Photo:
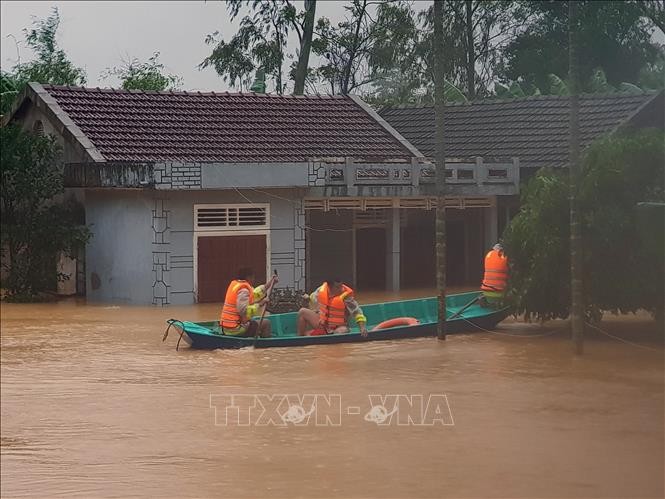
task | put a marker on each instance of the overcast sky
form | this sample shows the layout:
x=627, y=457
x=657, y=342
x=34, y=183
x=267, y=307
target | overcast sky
x=99, y=34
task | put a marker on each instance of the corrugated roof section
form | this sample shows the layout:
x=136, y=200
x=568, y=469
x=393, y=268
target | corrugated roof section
x=535, y=129
x=224, y=127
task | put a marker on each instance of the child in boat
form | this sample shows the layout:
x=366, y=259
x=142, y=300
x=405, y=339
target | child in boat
x=331, y=305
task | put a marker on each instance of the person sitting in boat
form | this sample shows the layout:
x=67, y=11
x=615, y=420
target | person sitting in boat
x=243, y=301
x=496, y=275
x=332, y=304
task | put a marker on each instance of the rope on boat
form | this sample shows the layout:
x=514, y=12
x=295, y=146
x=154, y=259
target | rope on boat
x=622, y=340
x=171, y=322
x=556, y=331
x=508, y=334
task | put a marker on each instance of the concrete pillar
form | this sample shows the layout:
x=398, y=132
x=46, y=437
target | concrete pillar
x=491, y=225
x=393, y=233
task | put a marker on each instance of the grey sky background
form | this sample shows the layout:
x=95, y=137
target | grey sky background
x=99, y=34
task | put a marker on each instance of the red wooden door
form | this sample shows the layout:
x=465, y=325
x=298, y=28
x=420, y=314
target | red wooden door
x=220, y=257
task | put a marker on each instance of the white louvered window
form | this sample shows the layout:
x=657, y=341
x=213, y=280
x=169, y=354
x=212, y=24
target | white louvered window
x=231, y=217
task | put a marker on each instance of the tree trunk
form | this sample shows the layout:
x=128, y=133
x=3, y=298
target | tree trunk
x=346, y=76
x=303, y=58
x=577, y=305
x=470, y=53
x=439, y=102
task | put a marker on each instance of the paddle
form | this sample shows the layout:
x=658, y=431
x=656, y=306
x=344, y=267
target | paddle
x=265, y=308
x=459, y=312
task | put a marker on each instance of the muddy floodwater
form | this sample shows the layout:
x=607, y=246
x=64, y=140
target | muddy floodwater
x=95, y=405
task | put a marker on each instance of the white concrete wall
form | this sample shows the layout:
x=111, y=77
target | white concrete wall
x=119, y=257
x=142, y=250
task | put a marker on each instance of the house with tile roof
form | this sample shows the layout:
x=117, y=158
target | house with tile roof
x=181, y=188
x=534, y=129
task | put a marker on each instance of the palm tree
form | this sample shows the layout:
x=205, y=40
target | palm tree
x=576, y=284
x=439, y=100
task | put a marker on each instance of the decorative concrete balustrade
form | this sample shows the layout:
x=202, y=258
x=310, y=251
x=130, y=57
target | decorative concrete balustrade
x=457, y=172
x=332, y=177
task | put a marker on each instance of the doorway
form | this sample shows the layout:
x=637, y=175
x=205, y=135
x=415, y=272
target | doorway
x=220, y=257
x=371, y=252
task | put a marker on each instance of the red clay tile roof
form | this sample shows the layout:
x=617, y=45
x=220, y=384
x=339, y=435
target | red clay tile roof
x=223, y=127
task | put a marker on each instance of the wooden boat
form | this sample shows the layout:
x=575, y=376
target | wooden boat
x=472, y=318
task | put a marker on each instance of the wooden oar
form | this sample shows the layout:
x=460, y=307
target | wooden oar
x=459, y=312
x=265, y=308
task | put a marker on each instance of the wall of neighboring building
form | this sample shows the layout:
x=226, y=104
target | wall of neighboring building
x=118, y=256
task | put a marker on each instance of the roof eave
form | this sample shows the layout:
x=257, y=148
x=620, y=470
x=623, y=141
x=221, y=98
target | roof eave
x=44, y=101
x=628, y=121
x=386, y=126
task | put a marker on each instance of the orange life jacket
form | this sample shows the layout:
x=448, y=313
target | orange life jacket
x=230, y=318
x=496, y=272
x=332, y=310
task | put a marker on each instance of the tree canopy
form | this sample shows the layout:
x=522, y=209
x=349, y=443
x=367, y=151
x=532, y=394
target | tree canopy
x=36, y=223
x=50, y=63
x=621, y=273
x=147, y=75
x=614, y=36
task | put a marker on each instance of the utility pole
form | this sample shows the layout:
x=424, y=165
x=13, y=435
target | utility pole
x=439, y=109
x=576, y=284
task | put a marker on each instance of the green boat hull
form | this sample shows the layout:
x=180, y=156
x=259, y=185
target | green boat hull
x=207, y=335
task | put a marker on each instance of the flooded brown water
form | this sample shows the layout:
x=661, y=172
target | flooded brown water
x=95, y=405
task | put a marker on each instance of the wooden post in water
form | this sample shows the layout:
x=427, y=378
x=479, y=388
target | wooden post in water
x=576, y=284
x=439, y=109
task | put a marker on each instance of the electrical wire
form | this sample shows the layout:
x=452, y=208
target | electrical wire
x=294, y=203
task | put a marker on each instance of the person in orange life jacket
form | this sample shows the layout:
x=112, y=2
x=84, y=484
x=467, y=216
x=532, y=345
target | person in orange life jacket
x=243, y=301
x=331, y=306
x=495, y=279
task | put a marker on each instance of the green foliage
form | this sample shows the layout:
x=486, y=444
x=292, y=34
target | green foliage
x=50, y=65
x=35, y=225
x=348, y=47
x=614, y=36
x=259, y=43
x=148, y=75
x=652, y=75
x=515, y=90
x=9, y=89
x=621, y=273
x=558, y=86
x=259, y=85
x=391, y=90
x=406, y=68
